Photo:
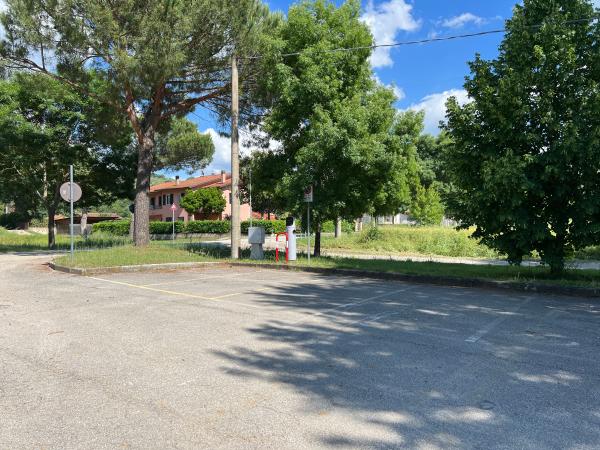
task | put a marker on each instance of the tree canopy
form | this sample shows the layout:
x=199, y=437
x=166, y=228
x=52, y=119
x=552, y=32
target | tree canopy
x=44, y=127
x=333, y=122
x=526, y=158
x=207, y=201
x=159, y=59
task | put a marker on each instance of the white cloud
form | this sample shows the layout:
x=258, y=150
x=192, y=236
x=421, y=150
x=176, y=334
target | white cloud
x=386, y=20
x=463, y=19
x=434, y=106
x=222, y=156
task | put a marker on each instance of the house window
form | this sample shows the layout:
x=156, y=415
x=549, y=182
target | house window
x=152, y=203
x=159, y=201
x=167, y=219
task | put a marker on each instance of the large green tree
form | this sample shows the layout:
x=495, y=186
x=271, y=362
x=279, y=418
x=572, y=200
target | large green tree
x=160, y=58
x=526, y=157
x=207, y=201
x=331, y=120
x=44, y=127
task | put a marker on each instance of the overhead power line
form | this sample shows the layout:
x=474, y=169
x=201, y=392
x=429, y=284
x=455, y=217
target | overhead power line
x=426, y=41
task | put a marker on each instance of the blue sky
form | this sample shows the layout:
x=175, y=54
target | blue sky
x=424, y=76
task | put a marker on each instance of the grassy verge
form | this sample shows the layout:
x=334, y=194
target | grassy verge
x=407, y=240
x=30, y=241
x=160, y=253
x=129, y=255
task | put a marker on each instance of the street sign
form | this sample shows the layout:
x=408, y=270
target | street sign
x=65, y=191
x=308, y=194
x=173, y=207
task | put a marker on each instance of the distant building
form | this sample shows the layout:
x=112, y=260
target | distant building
x=163, y=195
x=61, y=223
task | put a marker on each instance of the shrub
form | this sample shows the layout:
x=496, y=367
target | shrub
x=371, y=234
x=166, y=227
x=114, y=227
x=12, y=220
x=270, y=226
x=329, y=227
x=208, y=226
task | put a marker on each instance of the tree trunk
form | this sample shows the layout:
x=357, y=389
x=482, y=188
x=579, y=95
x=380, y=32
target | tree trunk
x=51, y=224
x=317, y=250
x=142, y=188
x=338, y=228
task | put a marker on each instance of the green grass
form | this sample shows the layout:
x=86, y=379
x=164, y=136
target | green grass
x=14, y=242
x=181, y=252
x=407, y=240
x=155, y=253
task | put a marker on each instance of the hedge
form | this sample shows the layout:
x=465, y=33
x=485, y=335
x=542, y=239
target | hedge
x=12, y=220
x=121, y=227
x=166, y=227
x=116, y=227
x=208, y=226
x=270, y=226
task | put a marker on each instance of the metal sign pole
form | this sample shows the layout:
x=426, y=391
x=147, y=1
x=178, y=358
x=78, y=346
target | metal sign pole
x=71, y=201
x=173, y=219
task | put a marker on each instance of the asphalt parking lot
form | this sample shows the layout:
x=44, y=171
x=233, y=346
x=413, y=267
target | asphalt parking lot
x=223, y=358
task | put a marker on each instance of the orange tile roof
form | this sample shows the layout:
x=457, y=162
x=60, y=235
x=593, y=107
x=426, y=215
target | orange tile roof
x=194, y=183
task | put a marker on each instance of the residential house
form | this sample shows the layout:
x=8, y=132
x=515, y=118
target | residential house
x=163, y=195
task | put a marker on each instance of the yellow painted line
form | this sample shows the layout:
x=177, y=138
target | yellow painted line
x=182, y=294
x=148, y=288
x=239, y=293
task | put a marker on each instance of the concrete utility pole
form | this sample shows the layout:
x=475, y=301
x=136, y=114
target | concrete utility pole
x=235, y=163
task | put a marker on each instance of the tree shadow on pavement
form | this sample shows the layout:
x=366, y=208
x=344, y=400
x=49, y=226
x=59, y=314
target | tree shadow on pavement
x=399, y=371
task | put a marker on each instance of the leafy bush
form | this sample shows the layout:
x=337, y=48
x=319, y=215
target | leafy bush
x=12, y=220
x=270, y=226
x=114, y=227
x=329, y=226
x=208, y=226
x=371, y=234
x=166, y=227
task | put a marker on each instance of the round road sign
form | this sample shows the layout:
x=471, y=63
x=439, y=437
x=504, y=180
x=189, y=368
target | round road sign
x=64, y=192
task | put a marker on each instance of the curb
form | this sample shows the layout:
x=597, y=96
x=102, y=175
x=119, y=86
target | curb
x=133, y=269
x=420, y=279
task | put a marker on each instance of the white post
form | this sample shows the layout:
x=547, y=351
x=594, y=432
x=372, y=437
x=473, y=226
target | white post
x=173, y=219
x=71, y=202
x=308, y=231
x=250, y=193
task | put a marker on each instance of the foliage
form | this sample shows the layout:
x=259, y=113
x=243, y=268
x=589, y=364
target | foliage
x=208, y=226
x=183, y=147
x=12, y=220
x=121, y=227
x=158, y=178
x=527, y=148
x=332, y=121
x=208, y=201
x=166, y=227
x=44, y=127
x=329, y=226
x=159, y=60
x=427, y=208
x=410, y=240
x=270, y=226
x=370, y=234
x=115, y=227
x=29, y=241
